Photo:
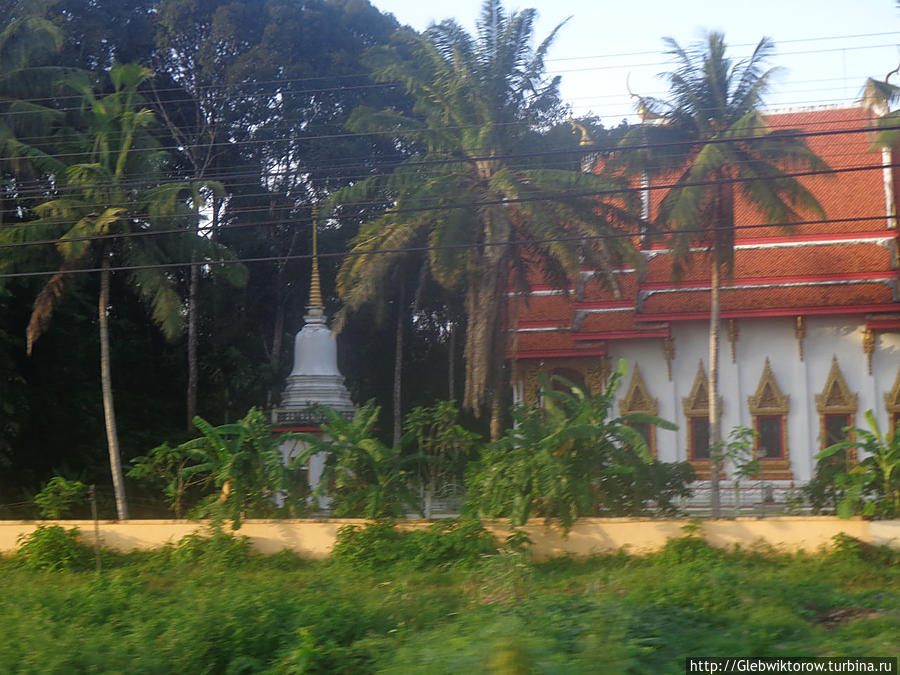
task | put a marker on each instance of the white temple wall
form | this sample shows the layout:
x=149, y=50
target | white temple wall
x=759, y=339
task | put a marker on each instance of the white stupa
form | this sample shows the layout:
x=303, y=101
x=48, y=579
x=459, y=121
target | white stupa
x=315, y=378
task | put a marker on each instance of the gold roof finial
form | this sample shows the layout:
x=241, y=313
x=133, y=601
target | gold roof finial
x=642, y=106
x=585, y=136
x=315, y=288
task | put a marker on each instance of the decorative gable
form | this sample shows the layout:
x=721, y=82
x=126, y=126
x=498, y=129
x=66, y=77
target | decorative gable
x=638, y=399
x=768, y=399
x=697, y=402
x=836, y=396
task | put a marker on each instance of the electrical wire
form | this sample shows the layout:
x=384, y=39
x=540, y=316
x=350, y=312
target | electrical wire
x=428, y=249
x=583, y=150
x=554, y=196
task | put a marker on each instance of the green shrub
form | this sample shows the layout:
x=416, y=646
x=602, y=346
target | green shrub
x=686, y=550
x=846, y=546
x=444, y=543
x=54, y=548
x=59, y=497
x=449, y=543
x=215, y=548
x=373, y=545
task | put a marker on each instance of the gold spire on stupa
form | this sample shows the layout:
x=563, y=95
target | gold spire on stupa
x=315, y=288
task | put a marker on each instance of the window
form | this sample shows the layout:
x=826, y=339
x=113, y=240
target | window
x=836, y=406
x=576, y=377
x=645, y=429
x=769, y=442
x=835, y=426
x=588, y=373
x=637, y=400
x=696, y=412
x=700, y=438
x=769, y=409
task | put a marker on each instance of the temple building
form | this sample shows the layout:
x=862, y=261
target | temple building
x=810, y=319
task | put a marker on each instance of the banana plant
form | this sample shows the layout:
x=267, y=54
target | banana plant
x=872, y=486
x=362, y=476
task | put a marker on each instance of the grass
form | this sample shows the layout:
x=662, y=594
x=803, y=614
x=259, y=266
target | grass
x=211, y=606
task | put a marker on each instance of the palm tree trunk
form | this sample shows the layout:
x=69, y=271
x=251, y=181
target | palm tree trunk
x=485, y=312
x=451, y=348
x=715, y=432
x=193, y=371
x=112, y=436
x=497, y=399
x=398, y=364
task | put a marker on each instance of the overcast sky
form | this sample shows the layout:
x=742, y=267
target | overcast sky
x=826, y=47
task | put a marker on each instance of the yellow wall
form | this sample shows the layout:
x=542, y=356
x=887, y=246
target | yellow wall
x=315, y=538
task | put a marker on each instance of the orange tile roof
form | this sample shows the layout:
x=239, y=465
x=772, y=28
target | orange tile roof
x=840, y=267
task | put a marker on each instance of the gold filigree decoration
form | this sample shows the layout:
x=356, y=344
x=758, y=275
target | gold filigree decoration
x=868, y=341
x=668, y=346
x=595, y=372
x=800, y=334
x=836, y=397
x=768, y=399
x=637, y=399
x=733, y=338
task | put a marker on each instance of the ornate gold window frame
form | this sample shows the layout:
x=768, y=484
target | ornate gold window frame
x=595, y=371
x=836, y=399
x=638, y=400
x=696, y=404
x=769, y=401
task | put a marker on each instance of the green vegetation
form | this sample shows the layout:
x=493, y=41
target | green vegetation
x=563, y=459
x=569, y=457
x=59, y=497
x=237, y=469
x=871, y=487
x=209, y=605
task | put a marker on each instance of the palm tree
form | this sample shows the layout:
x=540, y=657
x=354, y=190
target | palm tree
x=117, y=191
x=710, y=137
x=26, y=44
x=485, y=213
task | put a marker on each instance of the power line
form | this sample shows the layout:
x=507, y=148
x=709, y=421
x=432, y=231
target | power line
x=426, y=249
x=556, y=196
x=586, y=149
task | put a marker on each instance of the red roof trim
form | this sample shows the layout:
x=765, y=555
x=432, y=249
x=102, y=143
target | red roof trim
x=760, y=281
x=884, y=325
x=624, y=334
x=820, y=237
x=776, y=312
x=548, y=323
x=557, y=354
x=625, y=304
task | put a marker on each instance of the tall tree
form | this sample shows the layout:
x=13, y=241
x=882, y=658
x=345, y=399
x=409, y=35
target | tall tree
x=257, y=95
x=115, y=192
x=485, y=208
x=713, y=142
